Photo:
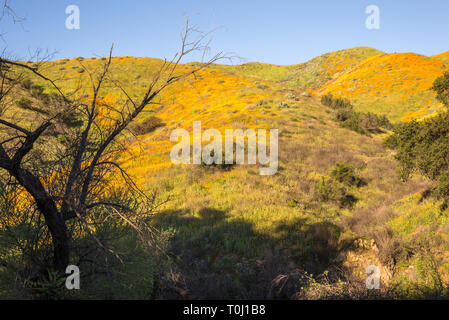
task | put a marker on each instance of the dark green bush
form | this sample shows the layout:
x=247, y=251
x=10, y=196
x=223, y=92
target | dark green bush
x=442, y=188
x=441, y=87
x=330, y=190
x=222, y=166
x=363, y=123
x=346, y=174
x=336, y=189
x=423, y=146
x=72, y=121
x=37, y=91
x=335, y=103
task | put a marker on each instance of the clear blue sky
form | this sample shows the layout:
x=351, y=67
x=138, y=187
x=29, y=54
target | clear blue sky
x=280, y=32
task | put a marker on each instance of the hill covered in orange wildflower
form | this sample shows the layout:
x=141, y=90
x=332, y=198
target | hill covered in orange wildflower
x=395, y=84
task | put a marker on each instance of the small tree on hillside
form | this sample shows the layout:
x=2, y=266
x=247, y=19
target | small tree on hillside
x=63, y=158
x=423, y=146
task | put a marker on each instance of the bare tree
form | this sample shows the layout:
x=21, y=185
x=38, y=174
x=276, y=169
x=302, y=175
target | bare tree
x=70, y=181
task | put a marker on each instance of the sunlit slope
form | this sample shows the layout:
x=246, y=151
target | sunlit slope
x=444, y=56
x=311, y=74
x=394, y=84
x=218, y=99
x=267, y=71
x=328, y=67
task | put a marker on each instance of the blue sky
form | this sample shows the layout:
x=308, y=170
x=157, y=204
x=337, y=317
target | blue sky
x=280, y=32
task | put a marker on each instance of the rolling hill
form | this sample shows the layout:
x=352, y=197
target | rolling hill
x=393, y=84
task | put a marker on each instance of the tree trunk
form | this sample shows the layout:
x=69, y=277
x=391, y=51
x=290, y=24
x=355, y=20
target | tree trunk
x=55, y=221
x=61, y=250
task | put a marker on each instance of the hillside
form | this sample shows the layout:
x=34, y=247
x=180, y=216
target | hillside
x=235, y=231
x=393, y=84
x=311, y=74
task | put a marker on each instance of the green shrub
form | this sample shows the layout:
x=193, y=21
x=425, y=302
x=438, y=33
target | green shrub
x=441, y=87
x=52, y=288
x=423, y=146
x=330, y=190
x=37, y=91
x=442, y=189
x=336, y=189
x=346, y=174
x=363, y=123
x=282, y=105
x=335, y=103
x=223, y=165
x=443, y=185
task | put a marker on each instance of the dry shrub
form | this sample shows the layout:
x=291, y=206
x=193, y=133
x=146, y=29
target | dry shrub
x=325, y=237
x=293, y=152
x=340, y=284
x=323, y=159
x=391, y=250
x=305, y=185
x=365, y=218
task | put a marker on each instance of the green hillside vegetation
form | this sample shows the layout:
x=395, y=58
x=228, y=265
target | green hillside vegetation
x=311, y=74
x=361, y=122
